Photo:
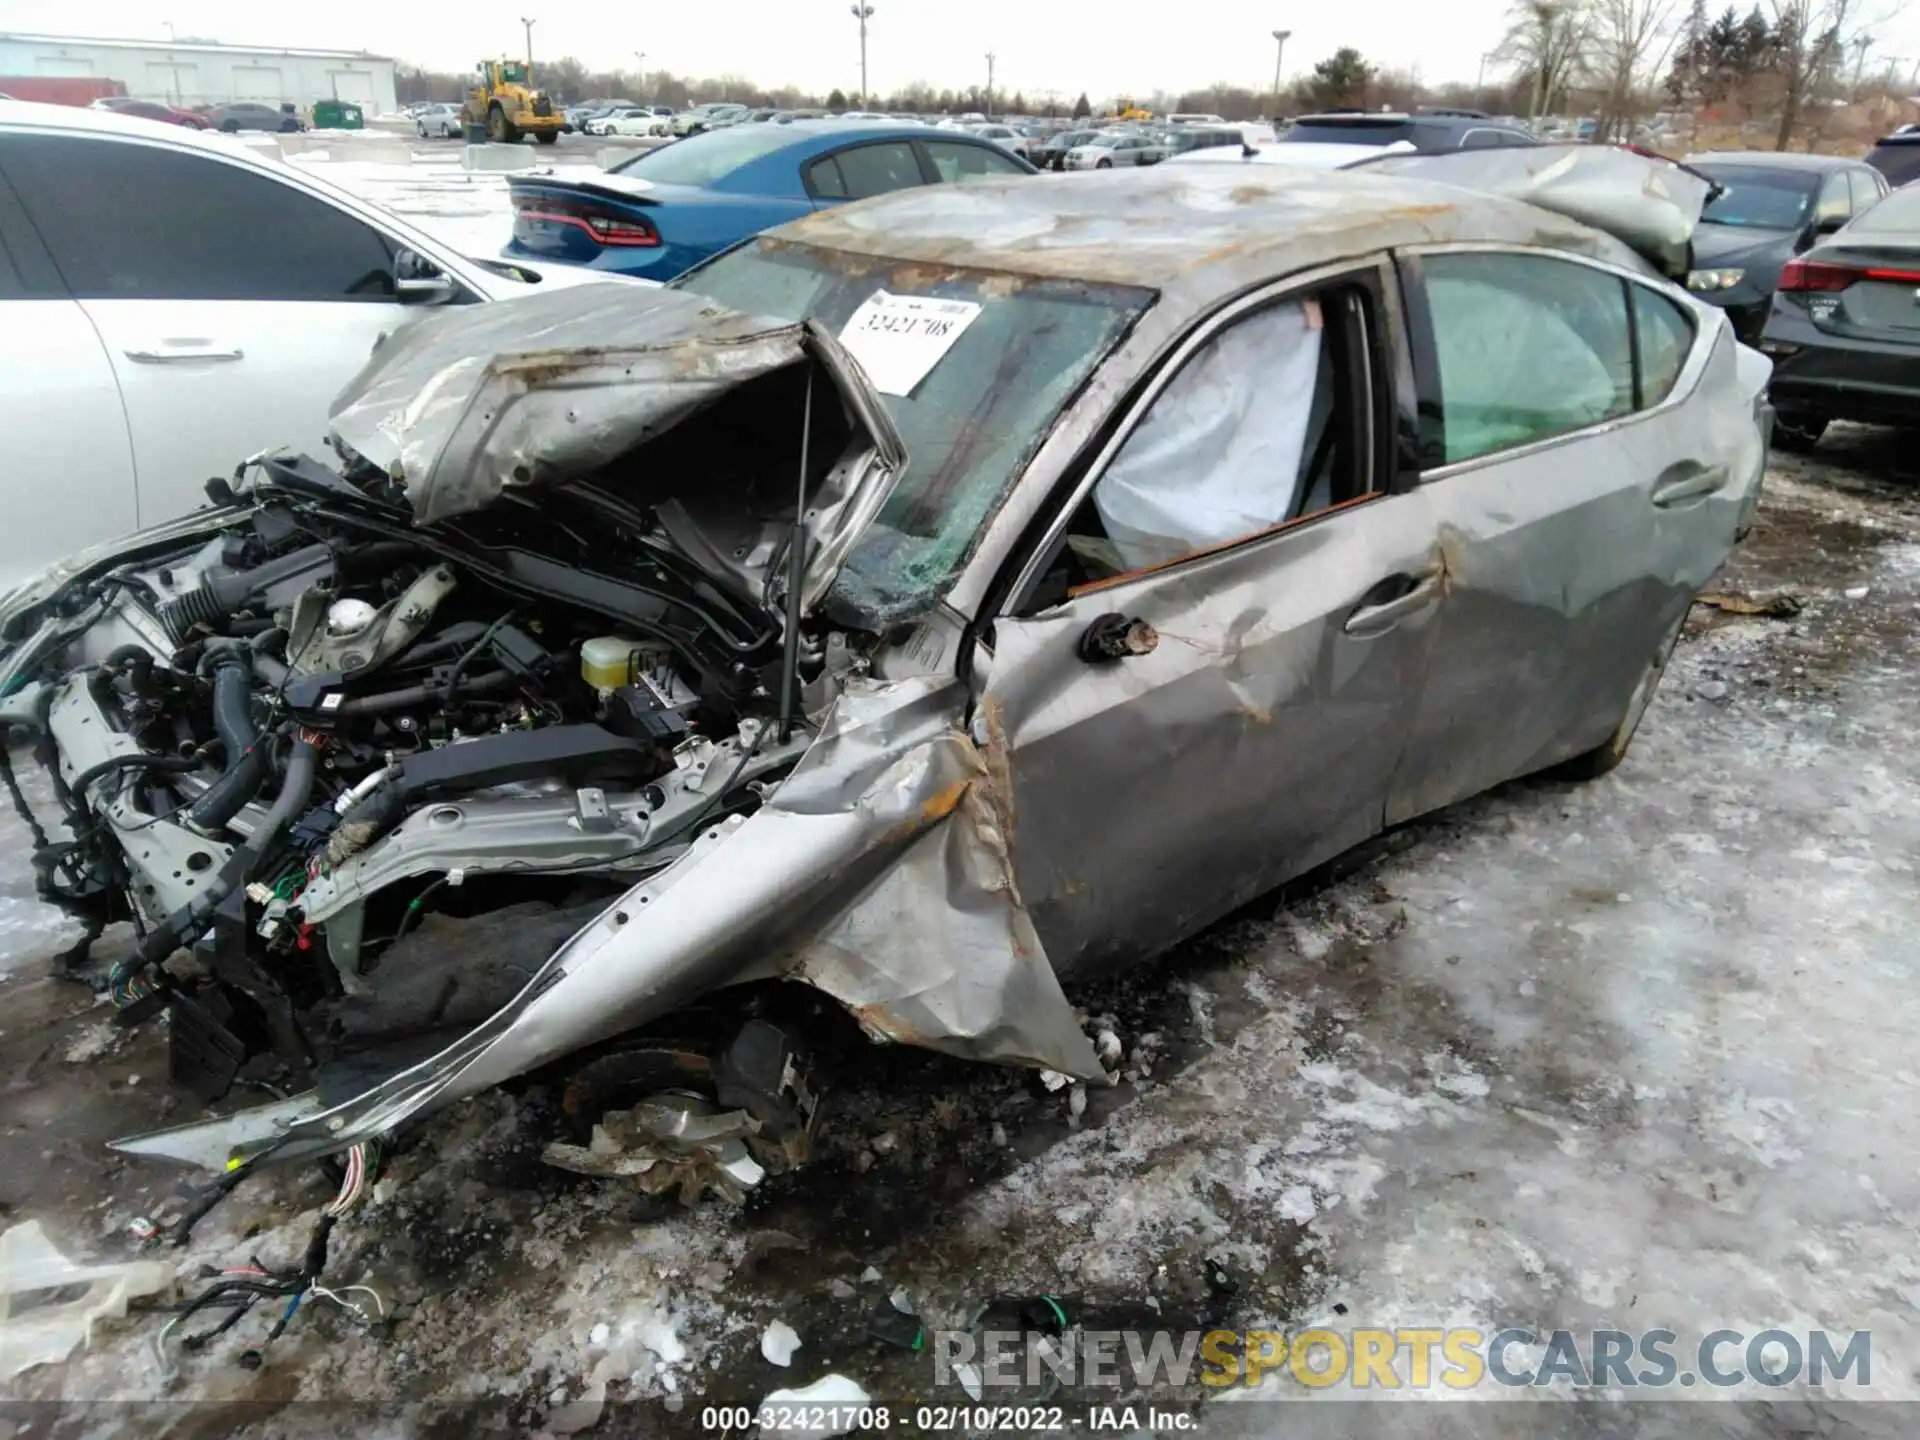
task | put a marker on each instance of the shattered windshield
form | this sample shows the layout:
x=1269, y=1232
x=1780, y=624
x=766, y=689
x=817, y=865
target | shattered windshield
x=969, y=425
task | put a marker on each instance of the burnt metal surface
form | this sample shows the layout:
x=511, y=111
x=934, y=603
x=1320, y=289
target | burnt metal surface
x=1190, y=232
x=470, y=404
x=1649, y=204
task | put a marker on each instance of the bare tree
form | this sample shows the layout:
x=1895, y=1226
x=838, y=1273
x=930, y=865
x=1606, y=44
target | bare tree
x=1630, y=40
x=1549, y=41
x=1810, y=37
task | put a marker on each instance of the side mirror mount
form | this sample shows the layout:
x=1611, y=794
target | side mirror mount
x=418, y=281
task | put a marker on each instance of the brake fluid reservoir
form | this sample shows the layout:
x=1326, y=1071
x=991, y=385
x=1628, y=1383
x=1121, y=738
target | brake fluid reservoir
x=607, y=661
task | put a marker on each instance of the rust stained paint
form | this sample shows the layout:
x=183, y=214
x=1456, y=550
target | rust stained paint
x=942, y=803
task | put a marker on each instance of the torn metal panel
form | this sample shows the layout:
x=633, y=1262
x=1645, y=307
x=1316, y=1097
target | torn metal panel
x=1254, y=739
x=1647, y=203
x=939, y=951
x=473, y=403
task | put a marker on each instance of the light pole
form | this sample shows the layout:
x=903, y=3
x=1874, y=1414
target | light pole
x=863, y=13
x=640, y=59
x=990, y=84
x=529, y=24
x=1279, y=49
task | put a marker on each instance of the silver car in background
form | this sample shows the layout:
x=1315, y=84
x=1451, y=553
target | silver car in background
x=439, y=121
x=1128, y=576
x=1112, y=148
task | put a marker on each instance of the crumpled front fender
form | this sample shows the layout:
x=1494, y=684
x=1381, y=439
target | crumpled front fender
x=878, y=872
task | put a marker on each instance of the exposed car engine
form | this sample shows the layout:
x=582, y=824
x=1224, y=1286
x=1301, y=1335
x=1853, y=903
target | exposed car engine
x=297, y=748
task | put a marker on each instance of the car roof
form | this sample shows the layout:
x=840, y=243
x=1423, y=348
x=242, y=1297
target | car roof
x=1198, y=232
x=1773, y=160
x=835, y=130
x=1433, y=119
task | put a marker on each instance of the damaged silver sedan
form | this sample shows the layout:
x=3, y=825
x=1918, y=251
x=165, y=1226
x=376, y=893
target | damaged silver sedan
x=908, y=613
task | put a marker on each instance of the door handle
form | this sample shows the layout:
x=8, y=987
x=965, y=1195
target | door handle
x=1376, y=617
x=1115, y=637
x=173, y=352
x=1689, y=480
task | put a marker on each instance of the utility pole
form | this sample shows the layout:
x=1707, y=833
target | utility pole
x=529, y=24
x=640, y=59
x=990, y=84
x=863, y=13
x=1279, y=49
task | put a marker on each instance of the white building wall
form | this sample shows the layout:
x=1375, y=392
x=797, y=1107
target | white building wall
x=208, y=75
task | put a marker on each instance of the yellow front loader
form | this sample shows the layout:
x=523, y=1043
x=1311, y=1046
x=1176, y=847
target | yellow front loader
x=505, y=101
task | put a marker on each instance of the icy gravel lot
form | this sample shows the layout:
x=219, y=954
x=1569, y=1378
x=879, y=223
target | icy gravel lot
x=1634, y=1054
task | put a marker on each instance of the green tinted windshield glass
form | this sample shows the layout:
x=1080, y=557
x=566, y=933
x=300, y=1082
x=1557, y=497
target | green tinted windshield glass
x=970, y=425
x=513, y=74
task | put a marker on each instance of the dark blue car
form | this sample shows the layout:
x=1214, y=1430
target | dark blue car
x=667, y=210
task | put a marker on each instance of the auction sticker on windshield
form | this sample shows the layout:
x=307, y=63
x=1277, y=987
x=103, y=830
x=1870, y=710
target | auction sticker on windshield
x=899, y=338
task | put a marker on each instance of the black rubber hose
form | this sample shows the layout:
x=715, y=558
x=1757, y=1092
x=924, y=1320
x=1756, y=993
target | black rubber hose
x=422, y=694
x=78, y=789
x=295, y=792
x=186, y=922
x=136, y=659
x=246, y=756
x=233, y=706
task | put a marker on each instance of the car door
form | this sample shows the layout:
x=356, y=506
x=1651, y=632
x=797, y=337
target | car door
x=232, y=304
x=1198, y=686
x=1569, y=524
x=1867, y=187
x=70, y=482
x=859, y=172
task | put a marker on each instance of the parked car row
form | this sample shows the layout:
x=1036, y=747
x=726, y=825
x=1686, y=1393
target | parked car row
x=230, y=118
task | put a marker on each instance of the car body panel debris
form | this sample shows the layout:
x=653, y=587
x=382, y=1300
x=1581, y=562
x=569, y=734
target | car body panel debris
x=41, y=1321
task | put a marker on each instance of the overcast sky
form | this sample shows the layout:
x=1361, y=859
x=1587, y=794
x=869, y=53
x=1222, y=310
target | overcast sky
x=1040, y=46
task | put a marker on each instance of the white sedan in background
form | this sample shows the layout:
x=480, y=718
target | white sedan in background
x=1111, y=148
x=628, y=120
x=1005, y=136
x=152, y=346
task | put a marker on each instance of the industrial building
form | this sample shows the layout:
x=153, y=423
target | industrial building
x=201, y=72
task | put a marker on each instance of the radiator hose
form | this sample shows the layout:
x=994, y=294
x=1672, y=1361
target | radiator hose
x=190, y=919
x=246, y=756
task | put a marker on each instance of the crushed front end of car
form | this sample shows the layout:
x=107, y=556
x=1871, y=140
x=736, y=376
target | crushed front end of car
x=518, y=743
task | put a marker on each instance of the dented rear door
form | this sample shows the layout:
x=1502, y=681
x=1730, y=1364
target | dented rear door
x=1563, y=513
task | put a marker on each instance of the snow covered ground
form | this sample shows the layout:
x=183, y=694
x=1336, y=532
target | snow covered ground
x=1636, y=1054
x=467, y=209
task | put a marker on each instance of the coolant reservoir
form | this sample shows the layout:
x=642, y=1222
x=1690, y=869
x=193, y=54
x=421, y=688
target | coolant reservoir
x=607, y=661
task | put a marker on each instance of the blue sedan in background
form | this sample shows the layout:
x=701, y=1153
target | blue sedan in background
x=667, y=210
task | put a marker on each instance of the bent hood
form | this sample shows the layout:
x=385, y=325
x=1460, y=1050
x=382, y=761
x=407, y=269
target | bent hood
x=1648, y=203
x=470, y=403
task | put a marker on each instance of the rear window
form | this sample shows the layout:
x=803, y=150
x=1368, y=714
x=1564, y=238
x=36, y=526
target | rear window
x=1898, y=160
x=706, y=159
x=1899, y=211
x=1357, y=131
